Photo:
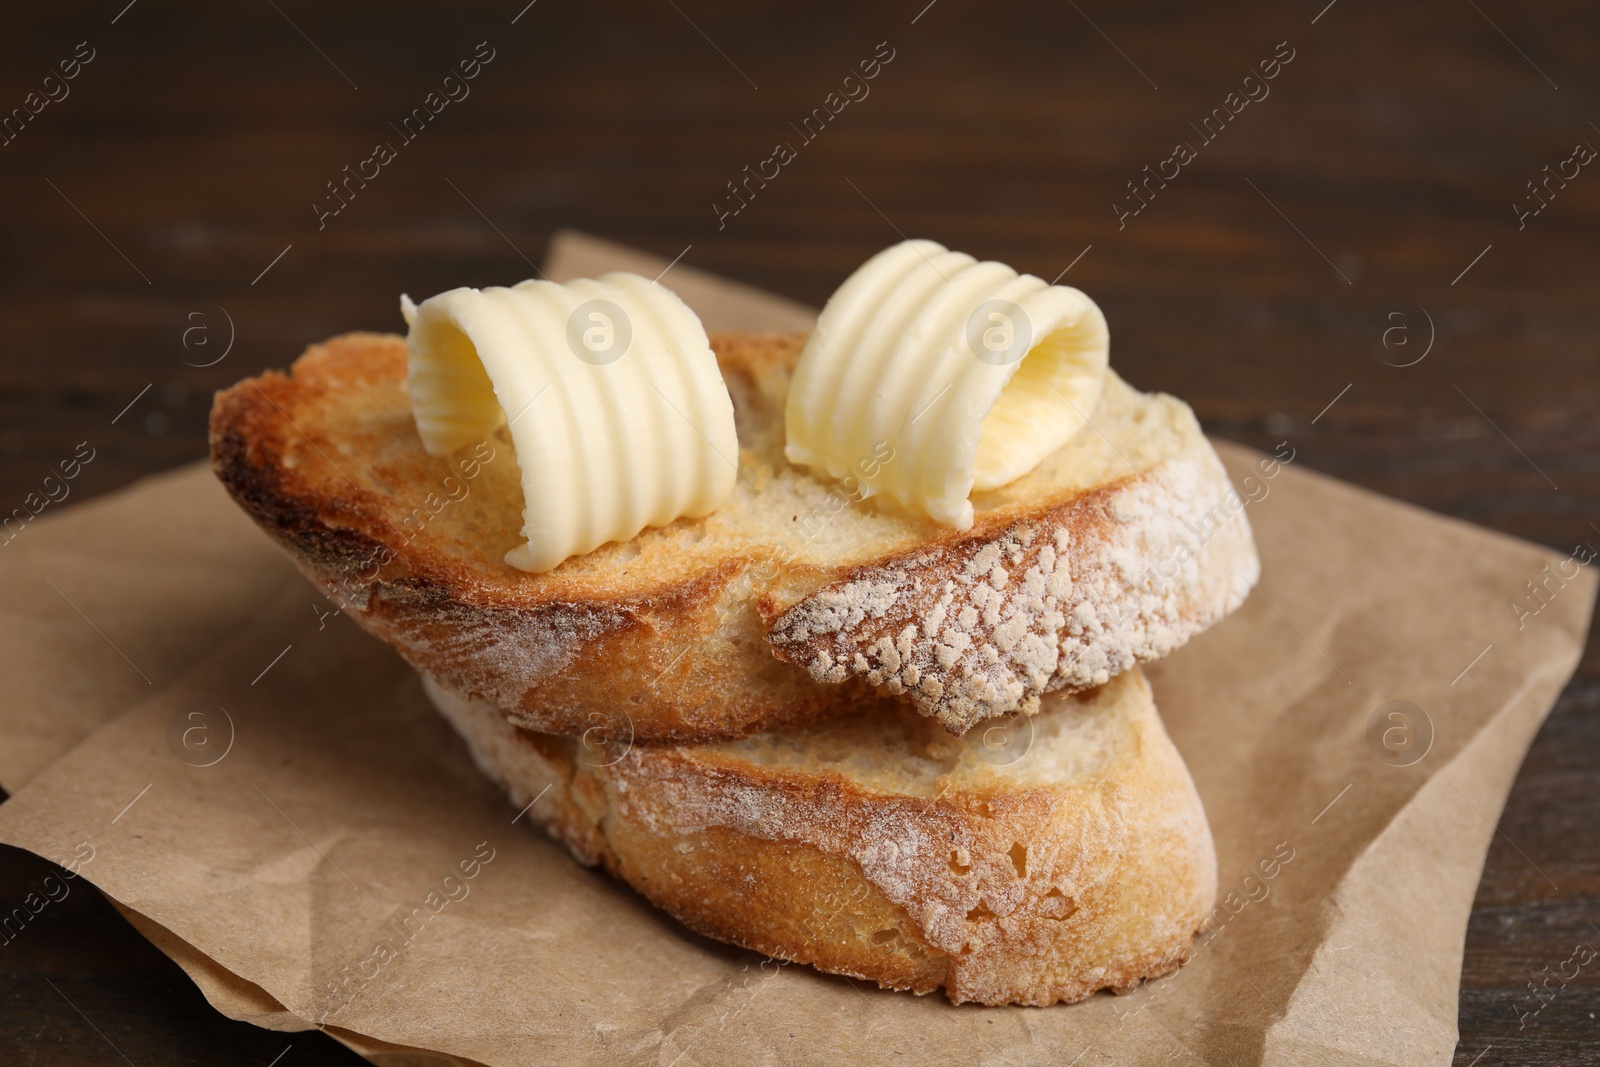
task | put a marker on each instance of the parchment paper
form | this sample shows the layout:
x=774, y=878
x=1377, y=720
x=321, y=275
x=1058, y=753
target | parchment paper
x=280, y=875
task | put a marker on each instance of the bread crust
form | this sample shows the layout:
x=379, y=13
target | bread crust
x=1037, y=891
x=1063, y=599
x=732, y=624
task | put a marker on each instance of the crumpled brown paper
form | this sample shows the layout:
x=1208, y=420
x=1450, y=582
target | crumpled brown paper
x=341, y=863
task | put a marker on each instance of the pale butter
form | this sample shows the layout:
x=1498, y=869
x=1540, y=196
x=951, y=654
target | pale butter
x=970, y=372
x=618, y=413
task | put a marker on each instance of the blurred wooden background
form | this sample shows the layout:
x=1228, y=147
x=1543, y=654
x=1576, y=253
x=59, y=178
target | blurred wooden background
x=1361, y=209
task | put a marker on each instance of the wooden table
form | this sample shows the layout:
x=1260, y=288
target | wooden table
x=1360, y=213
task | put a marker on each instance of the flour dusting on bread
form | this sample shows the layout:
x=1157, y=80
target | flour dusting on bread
x=1057, y=602
x=881, y=847
x=752, y=617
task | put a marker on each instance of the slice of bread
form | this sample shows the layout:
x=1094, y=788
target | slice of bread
x=698, y=630
x=1068, y=856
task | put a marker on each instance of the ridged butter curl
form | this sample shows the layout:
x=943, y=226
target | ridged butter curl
x=970, y=372
x=618, y=414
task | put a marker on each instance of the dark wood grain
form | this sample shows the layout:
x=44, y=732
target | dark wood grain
x=1397, y=141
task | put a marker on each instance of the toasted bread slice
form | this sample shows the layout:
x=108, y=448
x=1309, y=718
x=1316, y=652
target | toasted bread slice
x=1071, y=856
x=682, y=633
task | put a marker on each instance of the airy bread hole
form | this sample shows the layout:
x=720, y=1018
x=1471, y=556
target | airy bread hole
x=960, y=861
x=1019, y=859
x=1057, y=905
x=883, y=937
x=980, y=914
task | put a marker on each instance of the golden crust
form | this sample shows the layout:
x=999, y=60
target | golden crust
x=1010, y=884
x=1062, y=599
x=751, y=618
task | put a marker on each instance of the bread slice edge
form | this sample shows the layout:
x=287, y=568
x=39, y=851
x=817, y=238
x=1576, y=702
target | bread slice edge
x=1035, y=895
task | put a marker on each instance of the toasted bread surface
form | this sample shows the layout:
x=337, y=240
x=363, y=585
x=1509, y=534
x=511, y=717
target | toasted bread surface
x=755, y=616
x=1069, y=857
